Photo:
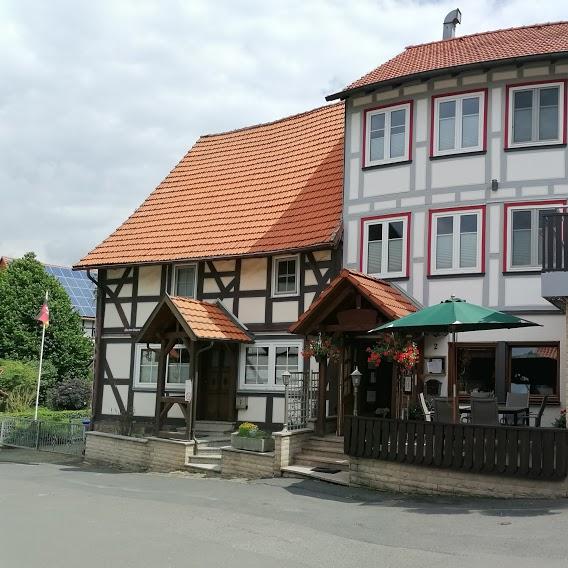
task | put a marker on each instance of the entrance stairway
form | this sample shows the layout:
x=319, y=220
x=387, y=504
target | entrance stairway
x=321, y=458
x=210, y=437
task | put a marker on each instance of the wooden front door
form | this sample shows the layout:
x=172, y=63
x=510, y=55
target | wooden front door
x=217, y=382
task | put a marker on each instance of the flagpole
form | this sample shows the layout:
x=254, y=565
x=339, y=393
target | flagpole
x=40, y=363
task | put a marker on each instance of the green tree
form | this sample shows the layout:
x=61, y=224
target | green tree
x=22, y=291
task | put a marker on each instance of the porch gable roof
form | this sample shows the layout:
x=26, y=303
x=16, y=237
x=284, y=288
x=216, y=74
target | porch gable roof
x=199, y=320
x=384, y=296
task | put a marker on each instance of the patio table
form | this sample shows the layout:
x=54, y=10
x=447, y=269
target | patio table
x=502, y=409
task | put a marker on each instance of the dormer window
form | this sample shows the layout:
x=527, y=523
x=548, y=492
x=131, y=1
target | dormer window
x=535, y=115
x=387, y=134
x=458, y=123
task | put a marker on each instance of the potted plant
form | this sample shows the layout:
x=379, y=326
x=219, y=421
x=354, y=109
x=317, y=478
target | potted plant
x=400, y=351
x=250, y=437
x=560, y=422
x=321, y=349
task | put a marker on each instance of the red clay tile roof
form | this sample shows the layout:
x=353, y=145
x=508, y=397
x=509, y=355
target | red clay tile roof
x=383, y=295
x=209, y=321
x=473, y=49
x=268, y=188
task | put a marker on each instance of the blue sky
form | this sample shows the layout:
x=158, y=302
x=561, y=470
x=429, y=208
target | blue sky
x=99, y=100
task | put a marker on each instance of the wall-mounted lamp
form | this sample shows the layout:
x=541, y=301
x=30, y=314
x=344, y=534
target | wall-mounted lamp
x=494, y=185
x=356, y=380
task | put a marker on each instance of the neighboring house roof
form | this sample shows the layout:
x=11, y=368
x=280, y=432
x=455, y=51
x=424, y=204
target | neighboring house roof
x=466, y=51
x=201, y=321
x=383, y=295
x=79, y=288
x=263, y=189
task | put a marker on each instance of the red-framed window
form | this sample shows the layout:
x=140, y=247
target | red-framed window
x=535, y=114
x=456, y=240
x=522, y=234
x=387, y=134
x=458, y=123
x=385, y=245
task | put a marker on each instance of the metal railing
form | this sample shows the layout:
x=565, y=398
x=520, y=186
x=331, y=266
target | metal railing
x=301, y=399
x=49, y=436
x=540, y=453
x=554, y=243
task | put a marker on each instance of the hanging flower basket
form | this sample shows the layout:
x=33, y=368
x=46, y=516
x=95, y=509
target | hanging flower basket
x=403, y=352
x=321, y=349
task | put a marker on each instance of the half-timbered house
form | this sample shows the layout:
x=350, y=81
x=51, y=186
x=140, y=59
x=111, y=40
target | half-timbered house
x=206, y=276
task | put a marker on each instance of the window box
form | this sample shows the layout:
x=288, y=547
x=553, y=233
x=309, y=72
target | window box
x=385, y=245
x=459, y=123
x=534, y=114
x=261, y=365
x=252, y=444
x=456, y=241
x=523, y=235
x=387, y=134
x=185, y=280
x=286, y=276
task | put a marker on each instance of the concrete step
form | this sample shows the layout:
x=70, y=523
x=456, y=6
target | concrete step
x=298, y=471
x=323, y=447
x=202, y=450
x=213, y=440
x=335, y=440
x=213, y=426
x=204, y=459
x=173, y=435
x=311, y=460
x=308, y=450
x=210, y=470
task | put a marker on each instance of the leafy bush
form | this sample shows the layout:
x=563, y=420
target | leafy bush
x=70, y=394
x=14, y=374
x=560, y=422
x=51, y=415
x=20, y=398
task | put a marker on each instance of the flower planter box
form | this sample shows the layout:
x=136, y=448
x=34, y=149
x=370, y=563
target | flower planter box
x=252, y=444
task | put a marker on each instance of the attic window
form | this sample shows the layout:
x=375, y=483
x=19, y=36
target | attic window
x=285, y=276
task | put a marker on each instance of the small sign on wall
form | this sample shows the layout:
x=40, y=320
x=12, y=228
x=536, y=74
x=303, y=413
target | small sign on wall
x=188, y=395
x=436, y=365
x=408, y=384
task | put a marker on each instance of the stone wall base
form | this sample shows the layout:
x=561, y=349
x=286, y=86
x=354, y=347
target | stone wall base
x=406, y=478
x=137, y=454
x=243, y=463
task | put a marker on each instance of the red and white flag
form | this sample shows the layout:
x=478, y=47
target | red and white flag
x=43, y=316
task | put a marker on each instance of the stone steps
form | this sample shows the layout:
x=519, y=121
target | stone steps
x=311, y=460
x=210, y=470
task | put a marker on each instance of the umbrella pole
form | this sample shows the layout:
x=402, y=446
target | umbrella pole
x=454, y=384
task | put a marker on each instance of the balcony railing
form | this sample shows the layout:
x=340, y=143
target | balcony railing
x=555, y=242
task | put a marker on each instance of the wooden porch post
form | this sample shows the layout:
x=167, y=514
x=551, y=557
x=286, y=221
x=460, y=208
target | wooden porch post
x=322, y=383
x=161, y=384
x=190, y=345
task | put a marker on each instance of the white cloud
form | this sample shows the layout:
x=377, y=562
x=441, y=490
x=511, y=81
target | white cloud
x=99, y=100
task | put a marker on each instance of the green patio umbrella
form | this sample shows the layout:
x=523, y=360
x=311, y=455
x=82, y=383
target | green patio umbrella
x=452, y=316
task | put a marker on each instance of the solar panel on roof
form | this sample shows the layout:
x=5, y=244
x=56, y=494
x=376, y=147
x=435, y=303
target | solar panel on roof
x=79, y=288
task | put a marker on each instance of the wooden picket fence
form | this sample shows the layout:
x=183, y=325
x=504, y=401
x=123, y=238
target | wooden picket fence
x=508, y=450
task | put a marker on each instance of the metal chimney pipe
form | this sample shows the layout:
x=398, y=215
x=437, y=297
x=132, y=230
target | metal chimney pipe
x=452, y=20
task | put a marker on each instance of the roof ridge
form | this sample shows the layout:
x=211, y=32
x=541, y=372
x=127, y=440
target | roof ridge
x=271, y=122
x=487, y=32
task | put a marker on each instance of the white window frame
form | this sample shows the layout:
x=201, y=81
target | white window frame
x=174, y=277
x=387, y=111
x=459, y=97
x=511, y=113
x=456, y=215
x=384, y=221
x=275, y=261
x=535, y=208
x=152, y=386
x=272, y=345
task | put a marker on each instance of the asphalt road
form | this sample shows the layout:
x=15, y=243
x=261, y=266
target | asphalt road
x=67, y=514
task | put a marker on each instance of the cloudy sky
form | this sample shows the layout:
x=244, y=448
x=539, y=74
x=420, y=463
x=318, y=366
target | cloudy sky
x=99, y=100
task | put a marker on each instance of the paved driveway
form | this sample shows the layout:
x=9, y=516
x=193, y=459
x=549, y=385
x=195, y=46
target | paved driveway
x=59, y=513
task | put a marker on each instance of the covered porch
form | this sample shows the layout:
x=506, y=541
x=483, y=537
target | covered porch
x=353, y=304
x=209, y=335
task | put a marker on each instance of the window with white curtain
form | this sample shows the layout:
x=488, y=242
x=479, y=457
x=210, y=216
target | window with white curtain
x=385, y=246
x=458, y=123
x=387, y=132
x=146, y=367
x=185, y=280
x=262, y=364
x=456, y=240
x=525, y=229
x=536, y=114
